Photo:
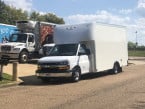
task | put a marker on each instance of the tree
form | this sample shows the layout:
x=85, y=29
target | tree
x=46, y=18
x=9, y=15
x=131, y=45
x=54, y=19
x=34, y=16
x=2, y=11
x=19, y=15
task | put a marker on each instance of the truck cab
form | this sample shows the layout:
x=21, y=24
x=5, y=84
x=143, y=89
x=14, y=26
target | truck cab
x=28, y=39
x=20, y=45
x=65, y=60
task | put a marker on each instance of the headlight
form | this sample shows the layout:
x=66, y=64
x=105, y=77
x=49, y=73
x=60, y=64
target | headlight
x=67, y=67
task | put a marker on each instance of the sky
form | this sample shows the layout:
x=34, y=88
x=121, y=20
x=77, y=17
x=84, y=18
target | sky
x=129, y=13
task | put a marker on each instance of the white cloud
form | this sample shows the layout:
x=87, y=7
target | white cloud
x=141, y=23
x=141, y=4
x=141, y=26
x=100, y=16
x=125, y=11
x=23, y=4
x=141, y=7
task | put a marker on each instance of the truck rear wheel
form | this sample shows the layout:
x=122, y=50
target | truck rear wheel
x=76, y=75
x=116, y=69
x=23, y=57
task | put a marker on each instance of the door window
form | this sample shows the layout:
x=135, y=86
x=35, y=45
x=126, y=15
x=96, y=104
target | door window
x=31, y=38
x=82, y=50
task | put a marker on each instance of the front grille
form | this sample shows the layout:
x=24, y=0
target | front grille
x=51, y=70
x=5, y=48
x=51, y=64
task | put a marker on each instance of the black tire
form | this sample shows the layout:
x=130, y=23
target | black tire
x=116, y=69
x=76, y=74
x=23, y=57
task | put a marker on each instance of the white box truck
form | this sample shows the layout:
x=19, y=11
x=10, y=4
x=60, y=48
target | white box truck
x=27, y=43
x=85, y=48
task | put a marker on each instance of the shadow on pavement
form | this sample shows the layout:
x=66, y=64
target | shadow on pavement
x=33, y=80
x=96, y=75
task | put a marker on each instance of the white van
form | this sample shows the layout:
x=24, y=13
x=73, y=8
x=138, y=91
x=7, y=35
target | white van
x=85, y=48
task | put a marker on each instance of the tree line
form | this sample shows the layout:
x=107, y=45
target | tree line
x=135, y=46
x=9, y=15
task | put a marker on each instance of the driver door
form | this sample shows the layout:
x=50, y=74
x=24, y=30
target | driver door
x=31, y=43
x=83, y=59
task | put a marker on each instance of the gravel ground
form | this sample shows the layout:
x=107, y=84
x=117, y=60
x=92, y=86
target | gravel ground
x=100, y=91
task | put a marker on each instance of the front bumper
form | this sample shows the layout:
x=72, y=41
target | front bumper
x=52, y=70
x=10, y=55
x=54, y=74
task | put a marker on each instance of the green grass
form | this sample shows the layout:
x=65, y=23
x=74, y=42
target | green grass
x=137, y=53
x=6, y=79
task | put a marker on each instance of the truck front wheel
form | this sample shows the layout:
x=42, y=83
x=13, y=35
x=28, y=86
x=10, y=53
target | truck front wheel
x=23, y=57
x=76, y=74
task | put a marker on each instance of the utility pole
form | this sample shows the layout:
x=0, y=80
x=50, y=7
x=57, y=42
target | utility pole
x=136, y=42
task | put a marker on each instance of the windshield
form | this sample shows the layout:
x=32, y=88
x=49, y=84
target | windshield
x=18, y=38
x=46, y=50
x=64, y=50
